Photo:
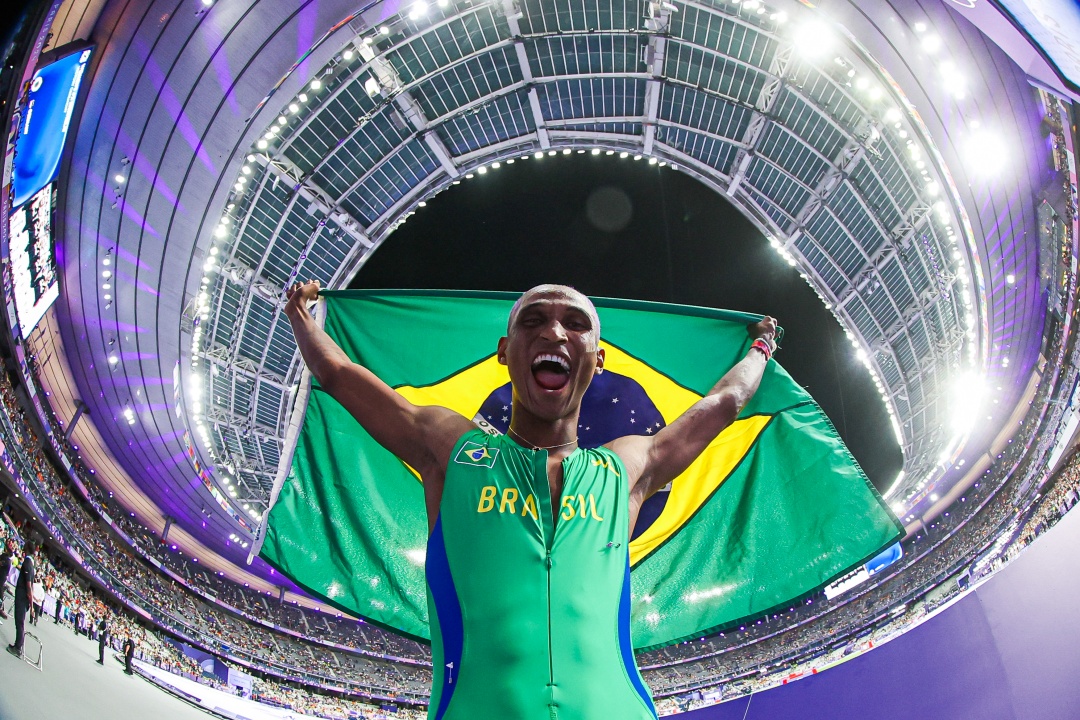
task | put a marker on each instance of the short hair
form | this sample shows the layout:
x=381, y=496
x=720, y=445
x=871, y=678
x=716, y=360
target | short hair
x=552, y=287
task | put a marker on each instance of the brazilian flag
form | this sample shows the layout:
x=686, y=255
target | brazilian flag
x=774, y=508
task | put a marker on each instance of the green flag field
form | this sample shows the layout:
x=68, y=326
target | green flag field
x=775, y=508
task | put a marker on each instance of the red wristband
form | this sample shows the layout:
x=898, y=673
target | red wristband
x=763, y=347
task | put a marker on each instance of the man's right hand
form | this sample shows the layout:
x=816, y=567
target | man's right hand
x=299, y=295
x=421, y=436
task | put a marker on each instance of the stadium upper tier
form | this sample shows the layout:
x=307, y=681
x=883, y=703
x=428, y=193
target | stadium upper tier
x=913, y=161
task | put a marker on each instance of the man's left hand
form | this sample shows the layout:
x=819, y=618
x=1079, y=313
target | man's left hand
x=764, y=329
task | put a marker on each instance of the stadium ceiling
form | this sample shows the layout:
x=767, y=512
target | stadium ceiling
x=891, y=152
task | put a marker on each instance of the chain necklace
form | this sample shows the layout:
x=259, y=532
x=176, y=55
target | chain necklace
x=534, y=446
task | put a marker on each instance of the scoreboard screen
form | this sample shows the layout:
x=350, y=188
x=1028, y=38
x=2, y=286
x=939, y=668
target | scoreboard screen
x=44, y=123
x=33, y=263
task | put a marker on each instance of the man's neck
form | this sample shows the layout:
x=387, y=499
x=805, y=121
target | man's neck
x=559, y=437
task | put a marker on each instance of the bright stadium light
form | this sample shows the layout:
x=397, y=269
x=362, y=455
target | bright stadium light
x=419, y=9
x=985, y=152
x=965, y=399
x=953, y=80
x=813, y=39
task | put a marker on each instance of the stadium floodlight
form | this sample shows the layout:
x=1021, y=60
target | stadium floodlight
x=953, y=80
x=966, y=396
x=419, y=10
x=813, y=39
x=985, y=152
x=931, y=43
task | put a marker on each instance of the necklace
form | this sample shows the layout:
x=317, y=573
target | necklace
x=534, y=446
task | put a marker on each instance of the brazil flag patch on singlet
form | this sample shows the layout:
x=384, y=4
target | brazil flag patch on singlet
x=475, y=454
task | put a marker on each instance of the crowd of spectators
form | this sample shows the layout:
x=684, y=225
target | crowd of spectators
x=320, y=626
x=174, y=607
x=76, y=605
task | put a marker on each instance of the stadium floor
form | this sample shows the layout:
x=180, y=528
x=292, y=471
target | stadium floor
x=72, y=684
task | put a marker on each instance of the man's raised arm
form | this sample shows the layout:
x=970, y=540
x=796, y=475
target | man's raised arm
x=653, y=462
x=422, y=436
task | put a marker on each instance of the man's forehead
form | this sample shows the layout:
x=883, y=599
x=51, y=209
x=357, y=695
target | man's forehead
x=542, y=295
x=569, y=296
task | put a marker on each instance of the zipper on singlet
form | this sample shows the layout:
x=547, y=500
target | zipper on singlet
x=548, y=519
x=551, y=654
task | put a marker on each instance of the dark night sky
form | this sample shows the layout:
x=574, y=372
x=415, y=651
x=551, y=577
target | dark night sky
x=619, y=228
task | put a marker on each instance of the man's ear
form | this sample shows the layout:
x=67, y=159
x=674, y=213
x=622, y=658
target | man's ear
x=599, y=360
x=500, y=353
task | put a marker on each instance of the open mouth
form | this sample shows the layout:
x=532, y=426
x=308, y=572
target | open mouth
x=552, y=372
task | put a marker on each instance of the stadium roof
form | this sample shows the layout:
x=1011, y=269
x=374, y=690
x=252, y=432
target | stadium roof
x=892, y=152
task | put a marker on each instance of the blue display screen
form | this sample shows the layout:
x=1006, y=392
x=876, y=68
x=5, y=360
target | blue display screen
x=1055, y=26
x=43, y=127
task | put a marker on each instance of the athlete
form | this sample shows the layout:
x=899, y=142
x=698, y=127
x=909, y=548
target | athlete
x=528, y=554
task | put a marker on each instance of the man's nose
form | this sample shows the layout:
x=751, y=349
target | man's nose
x=555, y=331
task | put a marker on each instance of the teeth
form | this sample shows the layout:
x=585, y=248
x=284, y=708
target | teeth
x=552, y=358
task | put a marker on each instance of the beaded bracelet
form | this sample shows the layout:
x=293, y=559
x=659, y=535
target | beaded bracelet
x=762, y=346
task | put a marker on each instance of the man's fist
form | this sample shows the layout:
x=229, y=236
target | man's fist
x=764, y=329
x=300, y=294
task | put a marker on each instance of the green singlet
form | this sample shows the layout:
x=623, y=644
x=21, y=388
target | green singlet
x=530, y=614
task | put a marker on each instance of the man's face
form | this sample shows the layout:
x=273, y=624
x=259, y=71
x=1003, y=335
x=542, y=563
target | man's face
x=551, y=351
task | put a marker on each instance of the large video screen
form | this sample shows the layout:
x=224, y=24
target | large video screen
x=33, y=264
x=43, y=125
x=39, y=147
x=1055, y=26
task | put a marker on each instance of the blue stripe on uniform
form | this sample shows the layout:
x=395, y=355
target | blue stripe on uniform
x=448, y=608
x=625, y=646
